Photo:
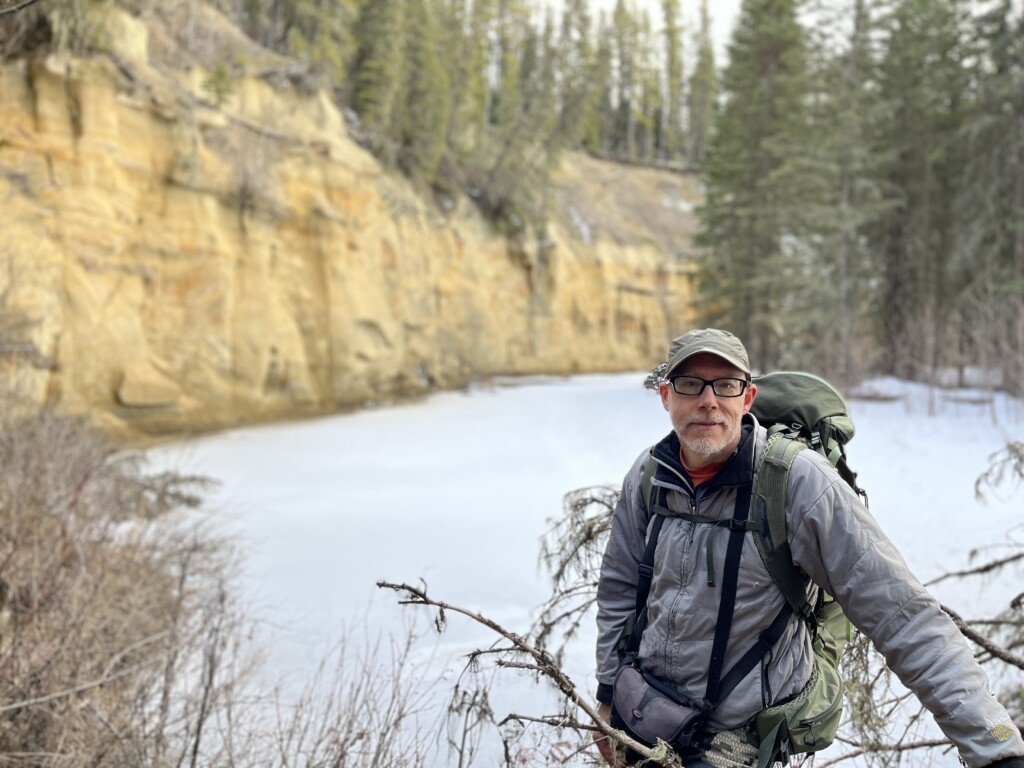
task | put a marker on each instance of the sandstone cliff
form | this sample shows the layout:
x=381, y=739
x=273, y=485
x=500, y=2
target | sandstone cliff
x=170, y=266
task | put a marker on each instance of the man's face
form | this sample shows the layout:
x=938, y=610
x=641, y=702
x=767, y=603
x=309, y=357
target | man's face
x=708, y=426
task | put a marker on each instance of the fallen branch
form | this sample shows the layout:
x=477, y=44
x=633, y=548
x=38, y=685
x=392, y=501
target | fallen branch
x=546, y=665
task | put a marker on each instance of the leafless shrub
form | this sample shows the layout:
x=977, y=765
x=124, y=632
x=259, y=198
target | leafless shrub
x=571, y=552
x=113, y=596
x=1005, y=465
x=121, y=643
x=372, y=707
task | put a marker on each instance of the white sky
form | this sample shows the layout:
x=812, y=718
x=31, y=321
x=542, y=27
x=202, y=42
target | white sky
x=457, y=491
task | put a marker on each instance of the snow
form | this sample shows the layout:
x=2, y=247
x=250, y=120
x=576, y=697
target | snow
x=457, y=491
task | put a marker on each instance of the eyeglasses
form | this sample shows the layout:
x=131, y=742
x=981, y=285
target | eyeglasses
x=693, y=386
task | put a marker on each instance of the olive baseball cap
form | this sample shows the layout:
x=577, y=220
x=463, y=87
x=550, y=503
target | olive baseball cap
x=712, y=341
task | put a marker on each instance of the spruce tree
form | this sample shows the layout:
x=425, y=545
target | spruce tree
x=702, y=94
x=508, y=129
x=598, y=118
x=377, y=74
x=425, y=115
x=835, y=289
x=924, y=83
x=672, y=122
x=988, y=259
x=756, y=186
x=470, y=60
x=624, y=33
x=577, y=68
x=649, y=108
x=319, y=32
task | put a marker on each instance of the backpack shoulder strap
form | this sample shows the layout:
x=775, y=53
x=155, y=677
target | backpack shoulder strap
x=647, y=489
x=648, y=497
x=769, y=502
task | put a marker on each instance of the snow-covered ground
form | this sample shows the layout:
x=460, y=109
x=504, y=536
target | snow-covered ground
x=457, y=491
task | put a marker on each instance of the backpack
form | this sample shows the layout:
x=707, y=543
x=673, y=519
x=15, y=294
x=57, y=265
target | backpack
x=800, y=411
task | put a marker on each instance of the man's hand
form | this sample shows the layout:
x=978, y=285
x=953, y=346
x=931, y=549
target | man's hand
x=604, y=711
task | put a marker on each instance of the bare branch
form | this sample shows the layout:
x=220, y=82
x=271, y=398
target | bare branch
x=72, y=691
x=19, y=7
x=546, y=665
x=554, y=722
x=986, y=568
x=1000, y=653
x=901, y=747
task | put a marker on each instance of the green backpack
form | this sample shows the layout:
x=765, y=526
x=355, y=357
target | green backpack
x=800, y=411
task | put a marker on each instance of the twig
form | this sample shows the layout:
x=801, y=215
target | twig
x=1000, y=653
x=556, y=722
x=986, y=568
x=519, y=665
x=105, y=678
x=16, y=8
x=546, y=664
x=72, y=691
x=904, y=747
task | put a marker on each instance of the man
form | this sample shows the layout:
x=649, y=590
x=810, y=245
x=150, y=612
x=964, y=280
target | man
x=704, y=465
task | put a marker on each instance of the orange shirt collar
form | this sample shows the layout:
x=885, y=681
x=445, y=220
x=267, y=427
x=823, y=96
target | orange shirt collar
x=702, y=475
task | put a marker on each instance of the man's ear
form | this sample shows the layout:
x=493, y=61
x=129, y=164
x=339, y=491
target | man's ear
x=748, y=397
x=663, y=391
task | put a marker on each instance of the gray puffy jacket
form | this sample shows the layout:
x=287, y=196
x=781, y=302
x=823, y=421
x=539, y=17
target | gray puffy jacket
x=837, y=542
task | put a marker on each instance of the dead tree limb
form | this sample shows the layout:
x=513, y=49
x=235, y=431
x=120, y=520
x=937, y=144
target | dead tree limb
x=967, y=631
x=546, y=665
x=5, y=11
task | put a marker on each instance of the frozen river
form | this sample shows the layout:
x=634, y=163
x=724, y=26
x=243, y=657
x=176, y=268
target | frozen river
x=458, y=490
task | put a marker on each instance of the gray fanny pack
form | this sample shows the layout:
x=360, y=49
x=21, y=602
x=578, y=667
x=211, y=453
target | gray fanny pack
x=649, y=714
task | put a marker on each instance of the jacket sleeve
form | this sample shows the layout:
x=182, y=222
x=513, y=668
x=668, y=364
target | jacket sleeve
x=616, y=588
x=842, y=548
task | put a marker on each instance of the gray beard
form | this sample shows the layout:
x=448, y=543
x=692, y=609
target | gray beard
x=704, y=447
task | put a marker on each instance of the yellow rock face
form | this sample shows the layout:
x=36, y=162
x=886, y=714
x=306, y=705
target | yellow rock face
x=169, y=266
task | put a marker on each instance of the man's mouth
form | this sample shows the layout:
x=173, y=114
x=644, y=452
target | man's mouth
x=703, y=423
x=702, y=420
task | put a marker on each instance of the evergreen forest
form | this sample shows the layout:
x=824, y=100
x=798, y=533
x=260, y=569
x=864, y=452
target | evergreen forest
x=863, y=160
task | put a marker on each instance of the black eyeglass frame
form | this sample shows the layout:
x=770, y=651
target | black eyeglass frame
x=705, y=383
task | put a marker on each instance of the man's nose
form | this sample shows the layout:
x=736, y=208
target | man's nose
x=707, y=397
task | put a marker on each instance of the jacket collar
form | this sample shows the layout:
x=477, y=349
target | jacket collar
x=738, y=468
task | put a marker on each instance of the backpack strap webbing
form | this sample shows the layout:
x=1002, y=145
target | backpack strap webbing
x=649, y=494
x=720, y=682
x=727, y=600
x=771, y=493
x=643, y=588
